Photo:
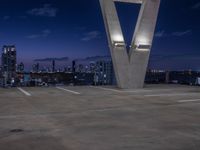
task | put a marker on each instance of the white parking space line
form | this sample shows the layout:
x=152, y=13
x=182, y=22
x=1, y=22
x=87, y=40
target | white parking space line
x=70, y=91
x=25, y=92
x=189, y=100
x=123, y=91
x=106, y=89
x=172, y=94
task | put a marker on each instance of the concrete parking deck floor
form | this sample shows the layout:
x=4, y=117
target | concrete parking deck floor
x=158, y=117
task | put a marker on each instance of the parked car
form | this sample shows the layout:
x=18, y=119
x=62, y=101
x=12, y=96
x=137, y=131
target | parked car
x=43, y=84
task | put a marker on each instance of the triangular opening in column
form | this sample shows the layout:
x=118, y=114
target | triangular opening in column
x=128, y=15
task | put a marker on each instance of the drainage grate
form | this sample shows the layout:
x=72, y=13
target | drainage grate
x=16, y=130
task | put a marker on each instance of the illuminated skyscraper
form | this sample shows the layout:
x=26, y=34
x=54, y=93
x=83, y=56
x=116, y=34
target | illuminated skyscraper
x=9, y=61
x=104, y=71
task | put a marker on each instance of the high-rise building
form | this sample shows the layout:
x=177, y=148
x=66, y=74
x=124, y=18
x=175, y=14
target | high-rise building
x=1, y=77
x=20, y=67
x=73, y=66
x=53, y=66
x=0, y=70
x=92, y=67
x=36, y=68
x=80, y=68
x=104, y=72
x=9, y=61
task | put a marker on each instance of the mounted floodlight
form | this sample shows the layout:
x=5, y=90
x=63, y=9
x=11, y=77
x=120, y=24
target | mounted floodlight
x=119, y=44
x=143, y=47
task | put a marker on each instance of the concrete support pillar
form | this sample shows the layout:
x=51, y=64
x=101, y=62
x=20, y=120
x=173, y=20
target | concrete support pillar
x=130, y=68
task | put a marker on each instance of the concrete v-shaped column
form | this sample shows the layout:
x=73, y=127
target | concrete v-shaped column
x=130, y=68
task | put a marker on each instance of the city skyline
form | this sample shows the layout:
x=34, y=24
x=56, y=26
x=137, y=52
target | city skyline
x=55, y=29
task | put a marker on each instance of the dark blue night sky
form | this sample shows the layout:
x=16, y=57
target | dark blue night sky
x=75, y=29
